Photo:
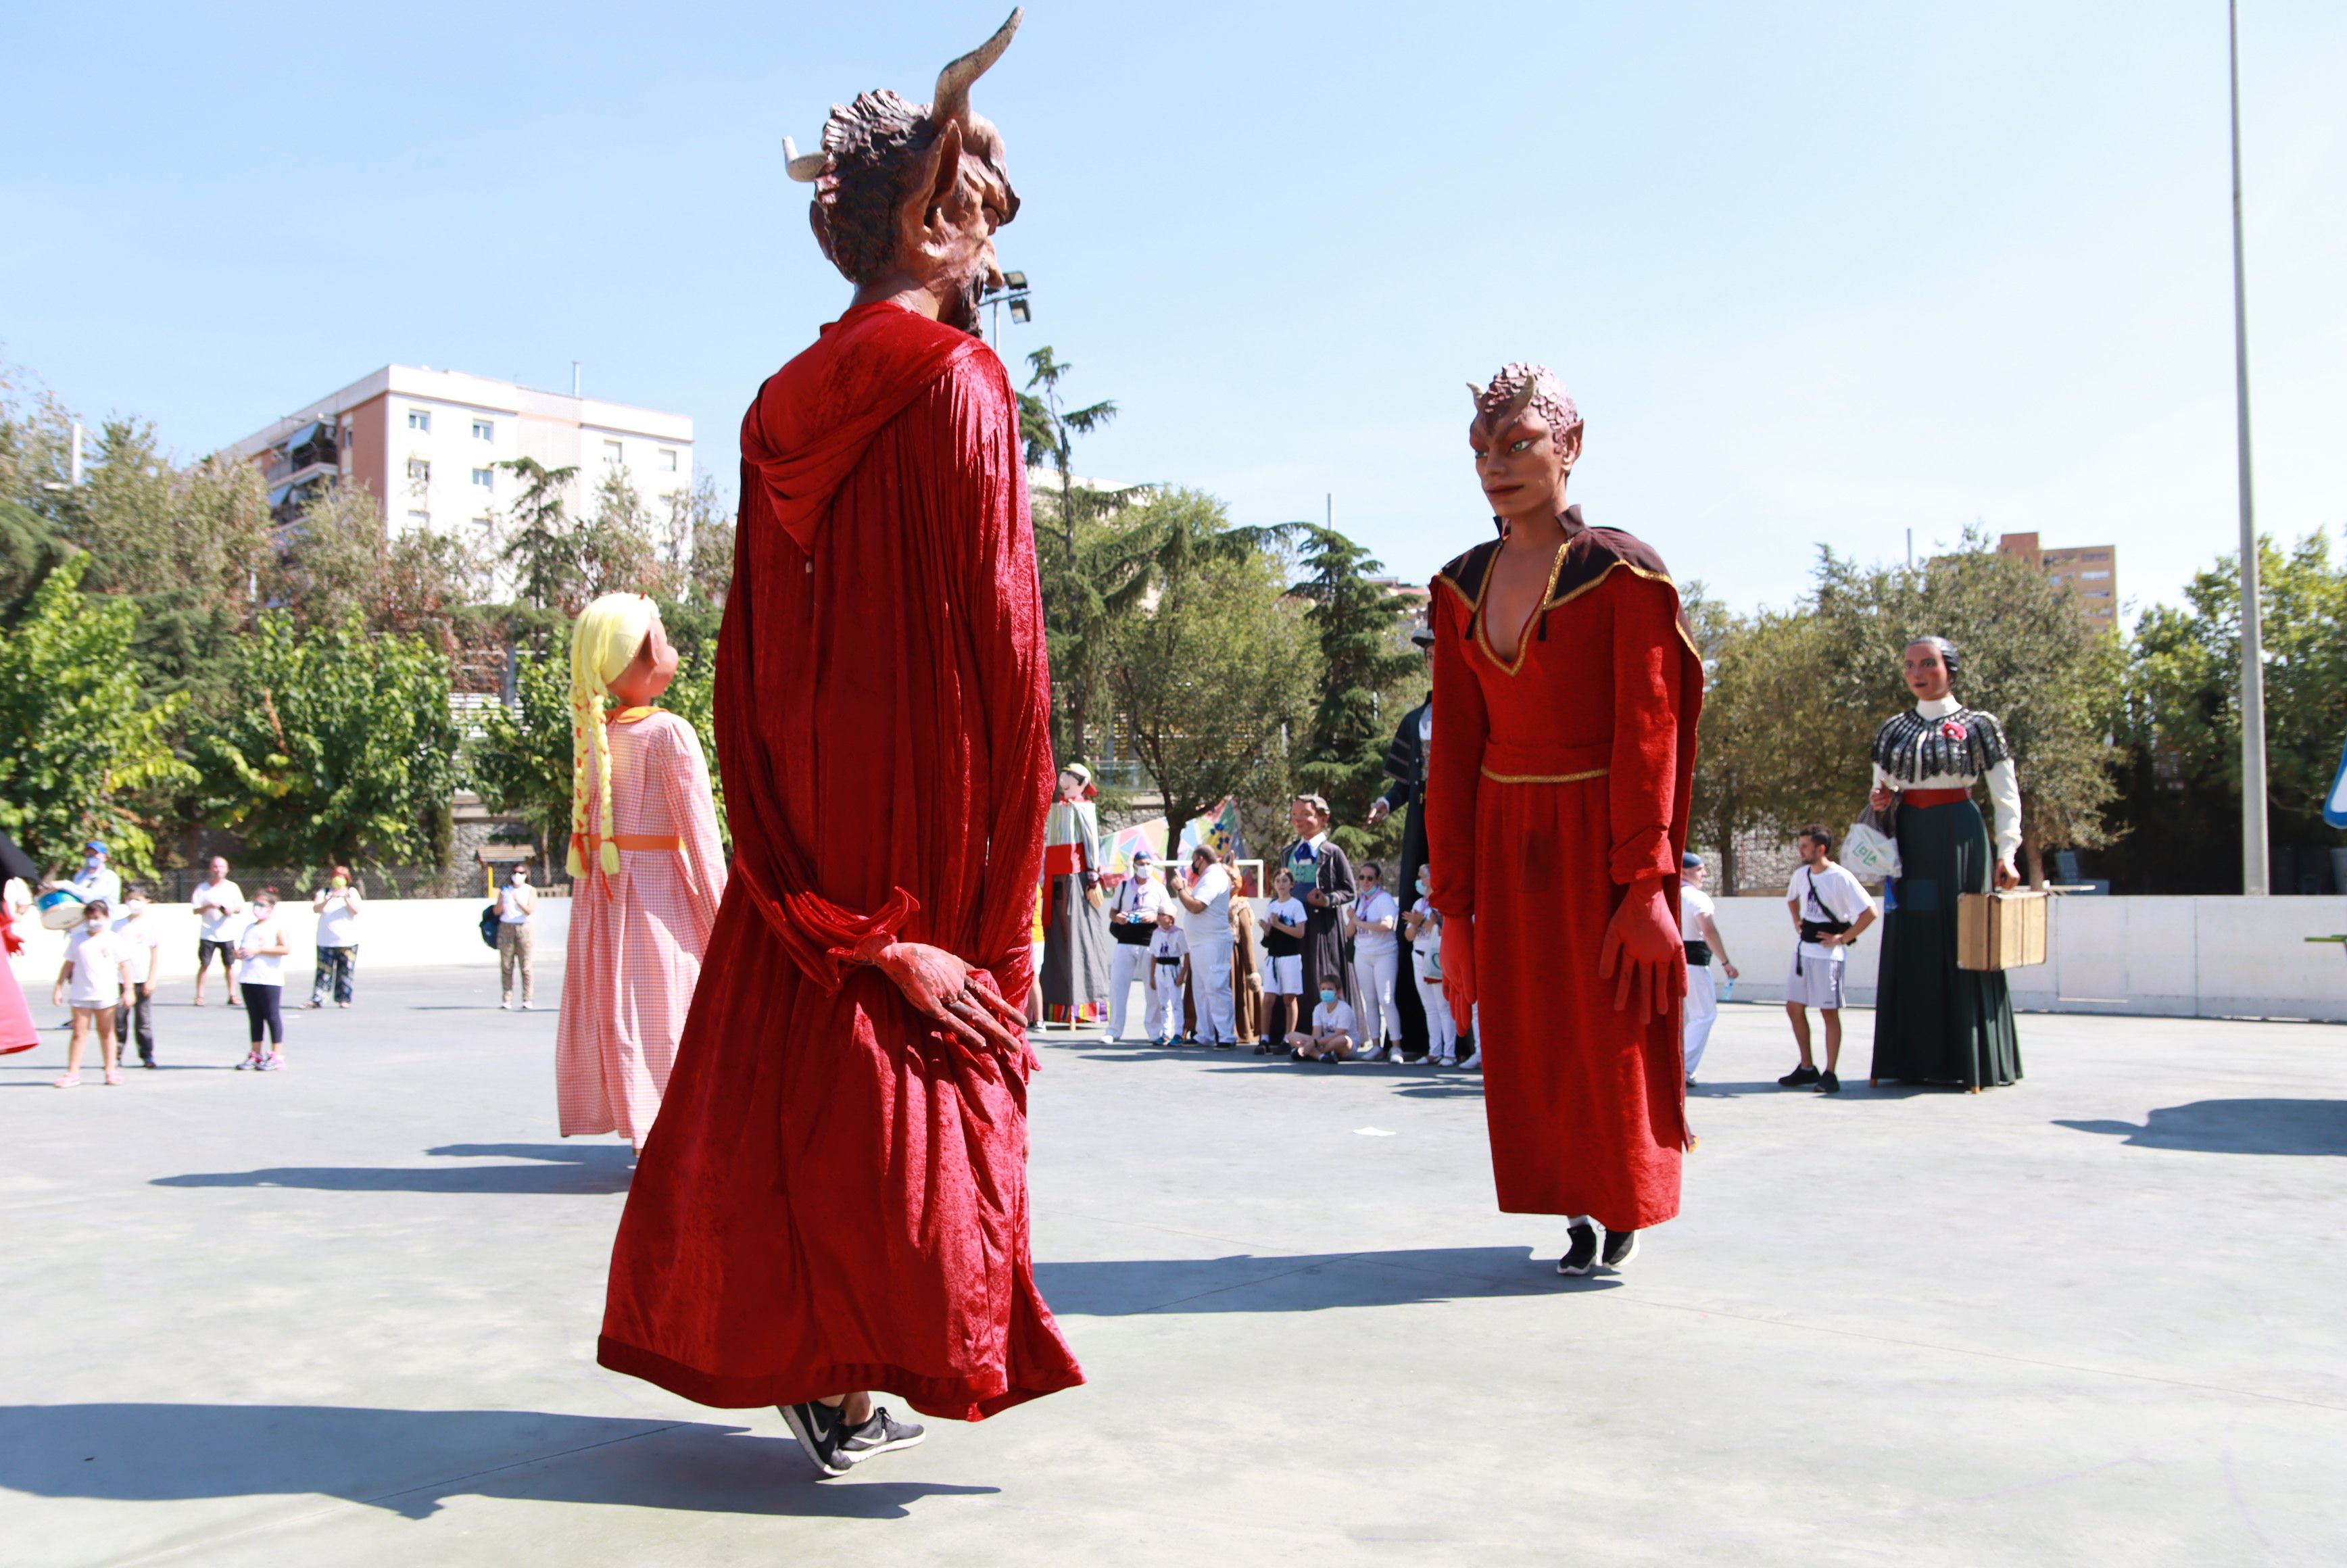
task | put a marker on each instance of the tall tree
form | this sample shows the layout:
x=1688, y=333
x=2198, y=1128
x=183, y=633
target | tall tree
x=1369, y=676
x=342, y=749
x=617, y=552
x=1074, y=610
x=1215, y=674
x=80, y=744
x=541, y=540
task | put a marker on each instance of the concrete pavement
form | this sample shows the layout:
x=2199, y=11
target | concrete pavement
x=346, y=1315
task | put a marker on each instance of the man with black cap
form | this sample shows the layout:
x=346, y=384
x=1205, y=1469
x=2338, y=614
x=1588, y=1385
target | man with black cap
x=1405, y=765
x=1131, y=922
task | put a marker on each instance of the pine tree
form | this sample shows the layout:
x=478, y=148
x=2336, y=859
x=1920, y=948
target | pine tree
x=1366, y=667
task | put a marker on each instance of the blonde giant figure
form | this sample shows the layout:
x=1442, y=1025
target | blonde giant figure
x=647, y=869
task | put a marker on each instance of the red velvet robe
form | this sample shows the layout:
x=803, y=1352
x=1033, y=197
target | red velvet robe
x=1554, y=781
x=834, y=1197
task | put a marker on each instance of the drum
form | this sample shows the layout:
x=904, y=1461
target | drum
x=60, y=909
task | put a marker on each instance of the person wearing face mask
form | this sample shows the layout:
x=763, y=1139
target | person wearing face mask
x=96, y=968
x=134, y=1015
x=1335, y=1031
x=1423, y=925
x=336, y=905
x=261, y=978
x=516, y=940
x=97, y=879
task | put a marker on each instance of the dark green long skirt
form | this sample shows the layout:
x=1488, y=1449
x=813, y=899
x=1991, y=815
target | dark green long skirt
x=1933, y=1021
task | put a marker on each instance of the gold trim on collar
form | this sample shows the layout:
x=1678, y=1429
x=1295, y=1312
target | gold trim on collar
x=1523, y=632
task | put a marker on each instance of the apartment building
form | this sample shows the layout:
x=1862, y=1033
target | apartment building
x=426, y=444
x=2091, y=573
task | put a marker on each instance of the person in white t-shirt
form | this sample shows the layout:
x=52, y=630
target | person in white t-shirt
x=134, y=1015
x=1376, y=921
x=96, y=967
x=218, y=904
x=517, y=939
x=1701, y=935
x=1335, y=1032
x=1169, y=972
x=261, y=949
x=1132, y=912
x=1284, y=920
x=1830, y=910
x=1423, y=926
x=1205, y=922
x=336, y=905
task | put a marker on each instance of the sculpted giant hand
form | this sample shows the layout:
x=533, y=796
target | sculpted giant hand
x=945, y=990
x=1642, y=943
x=1458, y=970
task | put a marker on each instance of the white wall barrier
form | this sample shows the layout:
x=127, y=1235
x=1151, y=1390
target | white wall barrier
x=2174, y=958
x=2188, y=957
x=393, y=934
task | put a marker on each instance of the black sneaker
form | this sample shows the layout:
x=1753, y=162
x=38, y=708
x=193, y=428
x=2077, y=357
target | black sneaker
x=878, y=1436
x=1582, y=1256
x=1801, y=1077
x=819, y=1429
x=1828, y=1083
x=1621, y=1246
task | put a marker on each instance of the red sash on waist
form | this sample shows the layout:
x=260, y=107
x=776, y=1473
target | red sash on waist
x=1063, y=859
x=1935, y=796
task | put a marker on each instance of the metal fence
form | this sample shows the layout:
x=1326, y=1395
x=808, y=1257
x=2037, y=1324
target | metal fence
x=460, y=881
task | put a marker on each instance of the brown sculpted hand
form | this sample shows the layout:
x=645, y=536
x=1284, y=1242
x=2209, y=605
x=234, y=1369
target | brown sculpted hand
x=1881, y=799
x=2007, y=877
x=1458, y=970
x=1642, y=946
x=945, y=990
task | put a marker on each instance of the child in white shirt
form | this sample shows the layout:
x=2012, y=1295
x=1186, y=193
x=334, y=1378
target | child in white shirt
x=1169, y=972
x=1334, y=1030
x=1425, y=924
x=97, y=967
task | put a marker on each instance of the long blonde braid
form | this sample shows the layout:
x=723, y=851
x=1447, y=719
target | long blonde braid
x=606, y=639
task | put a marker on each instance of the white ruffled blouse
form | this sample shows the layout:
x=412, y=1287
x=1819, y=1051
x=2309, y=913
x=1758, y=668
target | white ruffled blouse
x=2004, y=788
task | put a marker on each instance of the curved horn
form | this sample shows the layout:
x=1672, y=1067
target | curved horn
x=1525, y=395
x=1476, y=393
x=805, y=167
x=953, y=82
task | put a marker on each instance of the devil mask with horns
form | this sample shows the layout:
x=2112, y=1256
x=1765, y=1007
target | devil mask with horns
x=1526, y=437
x=908, y=197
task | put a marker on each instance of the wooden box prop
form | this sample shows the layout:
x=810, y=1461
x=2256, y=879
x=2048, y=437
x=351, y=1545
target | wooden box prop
x=2000, y=930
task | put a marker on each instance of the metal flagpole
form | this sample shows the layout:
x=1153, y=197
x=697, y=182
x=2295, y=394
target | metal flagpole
x=2253, y=672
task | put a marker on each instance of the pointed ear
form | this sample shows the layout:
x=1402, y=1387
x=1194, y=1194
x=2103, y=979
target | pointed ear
x=945, y=173
x=1569, y=446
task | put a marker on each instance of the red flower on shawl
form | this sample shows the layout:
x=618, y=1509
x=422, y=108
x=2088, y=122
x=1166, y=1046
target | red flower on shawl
x=1952, y=729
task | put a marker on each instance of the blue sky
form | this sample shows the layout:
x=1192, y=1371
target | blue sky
x=1816, y=273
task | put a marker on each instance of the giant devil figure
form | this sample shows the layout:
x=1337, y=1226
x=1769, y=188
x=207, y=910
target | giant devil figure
x=1566, y=694
x=834, y=1199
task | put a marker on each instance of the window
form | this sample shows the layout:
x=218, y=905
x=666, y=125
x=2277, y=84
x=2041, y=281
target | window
x=420, y=419
x=417, y=520
x=668, y=459
x=612, y=453
x=485, y=522
x=419, y=472
x=486, y=478
x=2095, y=576
x=484, y=430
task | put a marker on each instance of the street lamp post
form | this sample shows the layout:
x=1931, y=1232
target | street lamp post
x=2254, y=874
x=1015, y=293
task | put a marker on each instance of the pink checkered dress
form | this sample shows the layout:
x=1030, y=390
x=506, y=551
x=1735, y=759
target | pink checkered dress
x=637, y=938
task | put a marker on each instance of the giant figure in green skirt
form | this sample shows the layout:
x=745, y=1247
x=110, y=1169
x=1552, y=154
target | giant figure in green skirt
x=1934, y=1023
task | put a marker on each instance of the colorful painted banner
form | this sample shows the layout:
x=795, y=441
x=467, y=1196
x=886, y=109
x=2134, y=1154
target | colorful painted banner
x=1218, y=830
x=1150, y=835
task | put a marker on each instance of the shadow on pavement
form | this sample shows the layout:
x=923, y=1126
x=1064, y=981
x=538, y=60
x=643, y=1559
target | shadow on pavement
x=410, y=1461
x=2237, y=1127
x=562, y=1169
x=1307, y=1283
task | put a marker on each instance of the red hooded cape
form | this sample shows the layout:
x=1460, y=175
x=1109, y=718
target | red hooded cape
x=834, y=1195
